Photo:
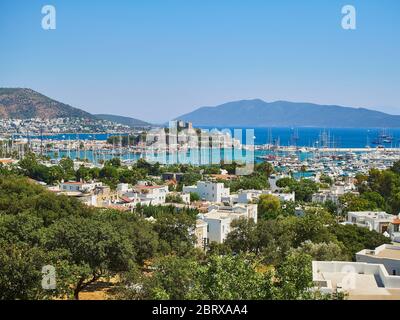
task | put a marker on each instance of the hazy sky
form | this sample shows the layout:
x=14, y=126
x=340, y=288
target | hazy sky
x=157, y=59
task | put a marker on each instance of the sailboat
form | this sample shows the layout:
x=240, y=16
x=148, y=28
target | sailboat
x=383, y=138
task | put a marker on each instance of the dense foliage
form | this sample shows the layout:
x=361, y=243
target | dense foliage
x=303, y=189
x=38, y=228
x=156, y=258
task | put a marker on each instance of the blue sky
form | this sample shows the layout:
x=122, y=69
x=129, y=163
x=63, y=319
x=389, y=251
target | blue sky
x=158, y=59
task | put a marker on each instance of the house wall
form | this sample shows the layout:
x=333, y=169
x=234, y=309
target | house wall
x=218, y=229
x=201, y=234
x=209, y=191
x=392, y=265
x=389, y=281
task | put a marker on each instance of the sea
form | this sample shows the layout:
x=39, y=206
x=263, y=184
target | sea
x=301, y=137
x=329, y=137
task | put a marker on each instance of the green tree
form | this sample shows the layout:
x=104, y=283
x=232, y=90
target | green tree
x=396, y=167
x=173, y=198
x=353, y=202
x=194, y=197
x=175, y=232
x=191, y=178
x=114, y=162
x=394, y=203
x=356, y=238
x=269, y=206
x=93, y=249
x=323, y=251
x=173, y=278
x=326, y=179
x=269, y=240
x=21, y=272
x=83, y=173
x=312, y=227
x=230, y=278
x=54, y=174
x=375, y=199
x=331, y=207
x=304, y=189
x=294, y=277
x=265, y=168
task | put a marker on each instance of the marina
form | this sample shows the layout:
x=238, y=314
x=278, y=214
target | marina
x=295, y=160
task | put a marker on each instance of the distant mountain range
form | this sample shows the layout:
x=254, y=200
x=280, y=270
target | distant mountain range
x=131, y=122
x=20, y=103
x=258, y=113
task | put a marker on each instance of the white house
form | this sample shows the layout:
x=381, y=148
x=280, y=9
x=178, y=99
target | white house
x=247, y=196
x=394, y=230
x=201, y=233
x=285, y=196
x=250, y=211
x=208, y=191
x=85, y=187
x=333, y=194
x=88, y=199
x=359, y=280
x=123, y=187
x=386, y=254
x=378, y=221
x=145, y=195
x=219, y=219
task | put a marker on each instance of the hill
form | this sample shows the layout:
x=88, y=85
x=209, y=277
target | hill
x=258, y=113
x=127, y=121
x=19, y=103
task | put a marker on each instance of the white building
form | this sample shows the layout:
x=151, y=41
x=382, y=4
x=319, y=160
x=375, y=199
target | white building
x=145, y=195
x=201, y=233
x=84, y=187
x=359, y=280
x=88, y=199
x=394, y=230
x=247, y=196
x=386, y=254
x=378, y=221
x=285, y=196
x=333, y=194
x=324, y=196
x=219, y=219
x=208, y=191
x=123, y=187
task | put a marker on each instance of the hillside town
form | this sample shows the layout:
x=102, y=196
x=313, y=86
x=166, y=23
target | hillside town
x=222, y=200
x=38, y=126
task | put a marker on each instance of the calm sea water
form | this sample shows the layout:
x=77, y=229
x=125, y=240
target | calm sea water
x=304, y=137
x=333, y=137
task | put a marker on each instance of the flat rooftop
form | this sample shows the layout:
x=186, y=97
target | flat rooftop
x=387, y=253
x=372, y=214
x=360, y=280
x=224, y=214
x=217, y=215
x=366, y=286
